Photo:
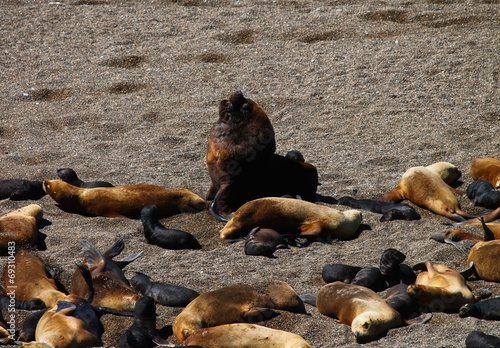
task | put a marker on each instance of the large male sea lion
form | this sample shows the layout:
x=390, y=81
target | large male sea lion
x=440, y=288
x=20, y=227
x=425, y=188
x=245, y=335
x=241, y=161
x=233, y=304
x=122, y=201
x=487, y=169
x=69, y=175
x=292, y=216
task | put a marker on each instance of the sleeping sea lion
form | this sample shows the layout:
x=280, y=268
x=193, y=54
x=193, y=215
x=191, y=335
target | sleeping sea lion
x=426, y=189
x=122, y=201
x=339, y=272
x=264, y=241
x=361, y=308
x=448, y=172
x=487, y=169
x=164, y=294
x=28, y=327
x=488, y=309
x=484, y=258
x=389, y=210
x=244, y=335
x=167, y=238
x=478, y=339
x=21, y=190
x=483, y=194
x=371, y=278
x=236, y=304
x=292, y=216
x=398, y=298
x=20, y=227
x=440, y=288
x=69, y=175
x=111, y=288
x=242, y=164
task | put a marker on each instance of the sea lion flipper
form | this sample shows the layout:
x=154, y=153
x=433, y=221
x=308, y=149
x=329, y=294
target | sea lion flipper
x=92, y=256
x=469, y=272
x=422, y=319
x=115, y=249
x=130, y=258
x=254, y=315
x=488, y=234
x=312, y=228
x=309, y=298
x=114, y=215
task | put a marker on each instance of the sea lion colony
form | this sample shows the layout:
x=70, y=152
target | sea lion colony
x=245, y=172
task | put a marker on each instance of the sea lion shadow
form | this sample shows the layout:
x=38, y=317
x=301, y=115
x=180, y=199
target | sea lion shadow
x=42, y=236
x=362, y=228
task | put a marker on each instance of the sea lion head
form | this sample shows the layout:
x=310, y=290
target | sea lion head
x=362, y=327
x=190, y=202
x=63, y=193
x=238, y=109
x=31, y=210
x=447, y=171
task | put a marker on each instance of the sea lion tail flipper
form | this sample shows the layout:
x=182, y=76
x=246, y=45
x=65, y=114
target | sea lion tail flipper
x=488, y=234
x=130, y=258
x=255, y=315
x=309, y=298
x=469, y=272
x=93, y=257
x=422, y=319
x=421, y=266
x=115, y=249
x=100, y=311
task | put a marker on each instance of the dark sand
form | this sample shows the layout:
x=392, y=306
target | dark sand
x=126, y=91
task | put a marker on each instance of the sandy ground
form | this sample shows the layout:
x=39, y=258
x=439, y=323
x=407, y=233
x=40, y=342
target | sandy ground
x=126, y=91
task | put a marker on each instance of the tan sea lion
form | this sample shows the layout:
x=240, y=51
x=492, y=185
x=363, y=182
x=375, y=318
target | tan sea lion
x=440, y=288
x=485, y=259
x=31, y=279
x=122, y=201
x=20, y=226
x=359, y=307
x=425, y=188
x=236, y=304
x=245, y=335
x=292, y=216
x=448, y=172
x=487, y=169
x=111, y=288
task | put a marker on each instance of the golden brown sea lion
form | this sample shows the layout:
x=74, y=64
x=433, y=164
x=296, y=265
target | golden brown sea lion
x=27, y=273
x=425, y=188
x=245, y=335
x=359, y=307
x=487, y=169
x=448, y=172
x=440, y=288
x=292, y=216
x=485, y=257
x=111, y=288
x=20, y=226
x=122, y=201
x=236, y=304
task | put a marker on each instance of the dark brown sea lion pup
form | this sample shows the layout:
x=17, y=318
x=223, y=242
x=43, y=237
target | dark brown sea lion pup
x=292, y=216
x=164, y=294
x=32, y=280
x=371, y=278
x=236, y=304
x=361, y=308
x=264, y=242
x=28, y=327
x=478, y=339
x=167, y=238
x=487, y=169
x=20, y=227
x=398, y=298
x=241, y=161
x=245, y=335
x=111, y=288
x=69, y=175
x=143, y=330
x=122, y=201
x=483, y=194
x=393, y=270
x=426, y=189
x=488, y=309
x=389, y=210
x=440, y=288
x=21, y=190
x=339, y=272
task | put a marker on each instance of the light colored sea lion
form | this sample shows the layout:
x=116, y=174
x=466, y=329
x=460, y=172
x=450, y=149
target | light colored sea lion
x=245, y=335
x=122, y=201
x=361, y=308
x=485, y=260
x=292, y=216
x=487, y=169
x=20, y=226
x=31, y=279
x=236, y=304
x=426, y=189
x=448, y=172
x=440, y=288
x=111, y=288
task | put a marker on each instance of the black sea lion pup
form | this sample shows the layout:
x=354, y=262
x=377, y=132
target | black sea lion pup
x=164, y=294
x=264, y=242
x=339, y=272
x=483, y=194
x=21, y=190
x=69, y=175
x=485, y=309
x=167, y=238
x=389, y=210
x=478, y=339
x=143, y=330
x=32, y=304
x=393, y=270
x=371, y=278
x=398, y=298
x=28, y=327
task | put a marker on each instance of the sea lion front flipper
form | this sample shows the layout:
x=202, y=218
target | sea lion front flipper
x=310, y=228
x=309, y=298
x=114, y=215
x=115, y=249
x=254, y=315
x=422, y=319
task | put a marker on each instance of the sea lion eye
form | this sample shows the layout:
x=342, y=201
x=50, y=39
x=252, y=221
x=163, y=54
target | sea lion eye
x=246, y=107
